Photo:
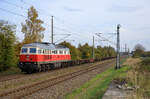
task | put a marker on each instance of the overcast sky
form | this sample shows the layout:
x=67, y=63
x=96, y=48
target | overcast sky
x=83, y=18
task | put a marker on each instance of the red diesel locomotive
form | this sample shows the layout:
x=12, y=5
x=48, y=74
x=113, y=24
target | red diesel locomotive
x=42, y=56
x=36, y=57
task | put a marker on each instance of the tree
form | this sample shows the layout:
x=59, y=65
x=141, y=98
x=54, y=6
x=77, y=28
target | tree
x=139, y=50
x=86, y=51
x=73, y=50
x=7, y=42
x=33, y=29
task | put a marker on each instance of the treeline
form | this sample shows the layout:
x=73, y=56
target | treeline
x=86, y=51
x=34, y=32
x=139, y=51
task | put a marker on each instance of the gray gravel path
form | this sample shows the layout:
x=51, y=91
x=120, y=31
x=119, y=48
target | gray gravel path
x=115, y=93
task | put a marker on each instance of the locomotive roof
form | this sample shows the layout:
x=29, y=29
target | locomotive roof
x=45, y=45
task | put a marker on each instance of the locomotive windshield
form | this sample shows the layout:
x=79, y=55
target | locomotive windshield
x=24, y=50
x=32, y=50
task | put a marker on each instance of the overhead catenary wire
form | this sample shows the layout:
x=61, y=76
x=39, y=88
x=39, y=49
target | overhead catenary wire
x=14, y=13
x=18, y=6
x=105, y=39
x=17, y=14
x=38, y=11
x=46, y=14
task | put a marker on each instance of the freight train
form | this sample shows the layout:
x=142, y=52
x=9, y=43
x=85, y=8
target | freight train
x=43, y=56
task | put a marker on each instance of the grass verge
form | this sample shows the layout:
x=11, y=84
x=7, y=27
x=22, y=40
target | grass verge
x=95, y=88
x=11, y=71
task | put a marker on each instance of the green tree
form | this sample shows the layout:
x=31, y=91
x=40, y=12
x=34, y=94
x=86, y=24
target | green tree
x=33, y=29
x=86, y=51
x=73, y=50
x=139, y=50
x=109, y=51
x=7, y=42
x=99, y=52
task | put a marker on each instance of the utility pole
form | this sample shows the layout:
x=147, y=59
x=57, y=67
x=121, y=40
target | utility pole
x=93, y=48
x=128, y=52
x=118, y=48
x=52, y=29
x=125, y=48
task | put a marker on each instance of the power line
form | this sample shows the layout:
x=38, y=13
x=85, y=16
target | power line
x=19, y=7
x=25, y=2
x=63, y=38
x=4, y=1
x=18, y=15
x=14, y=13
x=47, y=14
x=27, y=9
x=105, y=39
x=26, y=17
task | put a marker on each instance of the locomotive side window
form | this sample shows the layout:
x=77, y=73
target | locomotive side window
x=60, y=52
x=24, y=50
x=64, y=52
x=39, y=51
x=32, y=50
x=53, y=52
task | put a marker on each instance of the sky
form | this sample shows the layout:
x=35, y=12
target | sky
x=83, y=18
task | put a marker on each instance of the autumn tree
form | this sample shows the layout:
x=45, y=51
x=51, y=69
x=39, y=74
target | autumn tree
x=7, y=42
x=33, y=29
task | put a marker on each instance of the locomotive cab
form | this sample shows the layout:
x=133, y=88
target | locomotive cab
x=28, y=54
x=42, y=56
x=28, y=59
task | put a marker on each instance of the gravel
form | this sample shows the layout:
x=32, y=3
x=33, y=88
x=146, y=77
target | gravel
x=32, y=78
x=58, y=91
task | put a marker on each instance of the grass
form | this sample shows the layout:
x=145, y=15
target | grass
x=138, y=75
x=11, y=71
x=96, y=87
x=146, y=63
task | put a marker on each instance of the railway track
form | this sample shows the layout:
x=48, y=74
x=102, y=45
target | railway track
x=18, y=76
x=10, y=78
x=37, y=77
x=32, y=88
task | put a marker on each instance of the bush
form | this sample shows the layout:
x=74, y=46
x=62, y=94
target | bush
x=146, y=61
